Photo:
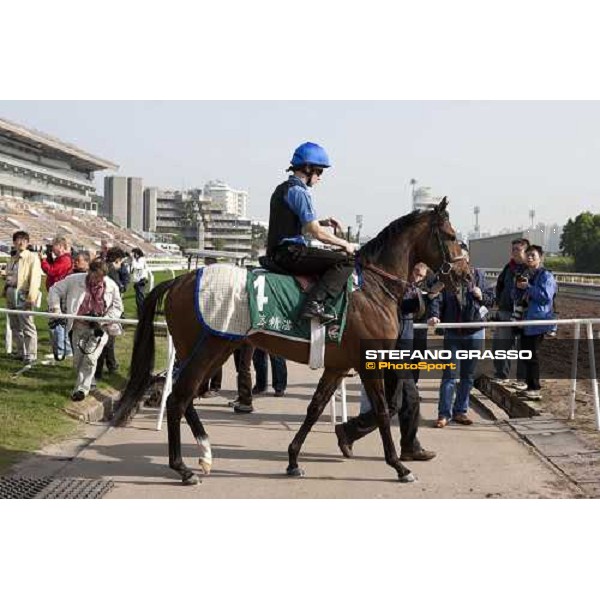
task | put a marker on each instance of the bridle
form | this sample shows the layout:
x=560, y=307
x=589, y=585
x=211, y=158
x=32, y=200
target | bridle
x=445, y=268
x=447, y=260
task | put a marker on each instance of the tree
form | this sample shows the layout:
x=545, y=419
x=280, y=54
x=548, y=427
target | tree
x=581, y=240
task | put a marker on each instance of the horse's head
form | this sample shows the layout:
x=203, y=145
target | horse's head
x=441, y=250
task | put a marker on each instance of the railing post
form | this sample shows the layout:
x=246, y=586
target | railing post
x=8, y=336
x=576, y=336
x=590, y=336
x=168, y=381
x=333, y=409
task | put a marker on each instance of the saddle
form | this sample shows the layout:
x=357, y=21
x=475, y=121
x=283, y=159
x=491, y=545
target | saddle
x=306, y=282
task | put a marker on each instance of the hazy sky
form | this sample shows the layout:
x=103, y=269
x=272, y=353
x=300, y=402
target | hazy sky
x=505, y=157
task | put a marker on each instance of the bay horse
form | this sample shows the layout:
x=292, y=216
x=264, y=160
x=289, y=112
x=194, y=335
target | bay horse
x=385, y=261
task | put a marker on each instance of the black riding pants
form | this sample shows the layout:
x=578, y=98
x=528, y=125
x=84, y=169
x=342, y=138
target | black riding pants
x=333, y=267
x=402, y=397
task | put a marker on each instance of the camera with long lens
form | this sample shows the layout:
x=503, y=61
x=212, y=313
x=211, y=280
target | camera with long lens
x=49, y=255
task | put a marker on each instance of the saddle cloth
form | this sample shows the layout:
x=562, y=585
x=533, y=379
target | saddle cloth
x=232, y=302
x=276, y=302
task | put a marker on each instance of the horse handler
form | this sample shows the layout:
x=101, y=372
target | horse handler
x=401, y=393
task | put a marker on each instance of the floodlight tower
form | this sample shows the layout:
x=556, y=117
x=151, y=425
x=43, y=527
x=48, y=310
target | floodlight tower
x=476, y=211
x=359, y=223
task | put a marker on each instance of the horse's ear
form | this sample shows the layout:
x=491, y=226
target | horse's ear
x=441, y=207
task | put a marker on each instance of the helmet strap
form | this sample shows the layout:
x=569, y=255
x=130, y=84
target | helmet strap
x=309, y=172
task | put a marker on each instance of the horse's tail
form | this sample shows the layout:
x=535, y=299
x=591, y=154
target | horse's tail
x=142, y=356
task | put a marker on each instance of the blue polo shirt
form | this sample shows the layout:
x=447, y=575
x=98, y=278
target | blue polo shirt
x=299, y=200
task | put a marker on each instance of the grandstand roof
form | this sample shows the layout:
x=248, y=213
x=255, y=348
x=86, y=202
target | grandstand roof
x=53, y=145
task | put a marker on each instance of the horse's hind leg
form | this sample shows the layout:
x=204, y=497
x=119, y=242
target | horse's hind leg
x=375, y=391
x=177, y=404
x=211, y=355
x=201, y=437
x=328, y=383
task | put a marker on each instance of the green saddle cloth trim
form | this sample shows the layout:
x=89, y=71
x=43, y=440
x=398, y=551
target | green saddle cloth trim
x=276, y=302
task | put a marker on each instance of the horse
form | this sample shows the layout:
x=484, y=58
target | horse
x=385, y=261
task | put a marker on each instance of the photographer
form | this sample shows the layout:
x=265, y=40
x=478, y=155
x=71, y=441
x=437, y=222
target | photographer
x=505, y=338
x=57, y=264
x=534, y=295
x=87, y=294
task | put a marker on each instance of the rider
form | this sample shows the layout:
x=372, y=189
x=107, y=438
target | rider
x=291, y=215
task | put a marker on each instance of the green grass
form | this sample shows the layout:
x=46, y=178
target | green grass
x=31, y=405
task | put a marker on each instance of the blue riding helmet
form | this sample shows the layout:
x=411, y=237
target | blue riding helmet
x=310, y=154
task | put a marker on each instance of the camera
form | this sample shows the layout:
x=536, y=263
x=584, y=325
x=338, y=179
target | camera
x=95, y=327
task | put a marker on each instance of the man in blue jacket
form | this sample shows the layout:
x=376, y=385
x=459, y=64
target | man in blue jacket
x=535, y=291
x=469, y=305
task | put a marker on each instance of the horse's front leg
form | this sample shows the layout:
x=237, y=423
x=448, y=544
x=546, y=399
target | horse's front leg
x=376, y=393
x=328, y=383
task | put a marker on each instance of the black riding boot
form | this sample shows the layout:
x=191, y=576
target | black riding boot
x=314, y=306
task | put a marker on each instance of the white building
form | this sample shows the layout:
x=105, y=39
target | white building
x=233, y=202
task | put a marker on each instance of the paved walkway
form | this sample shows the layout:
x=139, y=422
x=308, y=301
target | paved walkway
x=250, y=455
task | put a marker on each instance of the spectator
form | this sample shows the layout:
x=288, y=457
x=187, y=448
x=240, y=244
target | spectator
x=115, y=257
x=423, y=278
x=213, y=386
x=125, y=271
x=505, y=338
x=278, y=370
x=22, y=292
x=401, y=392
x=469, y=305
x=141, y=276
x=57, y=265
x=534, y=292
x=105, y=246
x=88, y=294
x=242, y=357
x=81, y=262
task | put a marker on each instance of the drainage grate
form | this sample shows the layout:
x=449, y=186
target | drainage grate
x=24, y=488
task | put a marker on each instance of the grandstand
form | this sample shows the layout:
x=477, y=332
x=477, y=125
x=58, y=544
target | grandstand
x=47, y=188
x=44, y=221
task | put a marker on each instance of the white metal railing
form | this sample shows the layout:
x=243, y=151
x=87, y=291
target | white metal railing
x=576, y=323
x=560, y=276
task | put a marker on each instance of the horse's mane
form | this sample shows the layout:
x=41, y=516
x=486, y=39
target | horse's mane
x=371, y=251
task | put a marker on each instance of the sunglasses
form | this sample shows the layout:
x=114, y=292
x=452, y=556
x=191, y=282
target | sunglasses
x=318, y=171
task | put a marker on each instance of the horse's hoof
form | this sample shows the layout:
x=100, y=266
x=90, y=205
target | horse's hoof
x=408, y=478
x=205, y=466
x=295, y=472
x=190, y=479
